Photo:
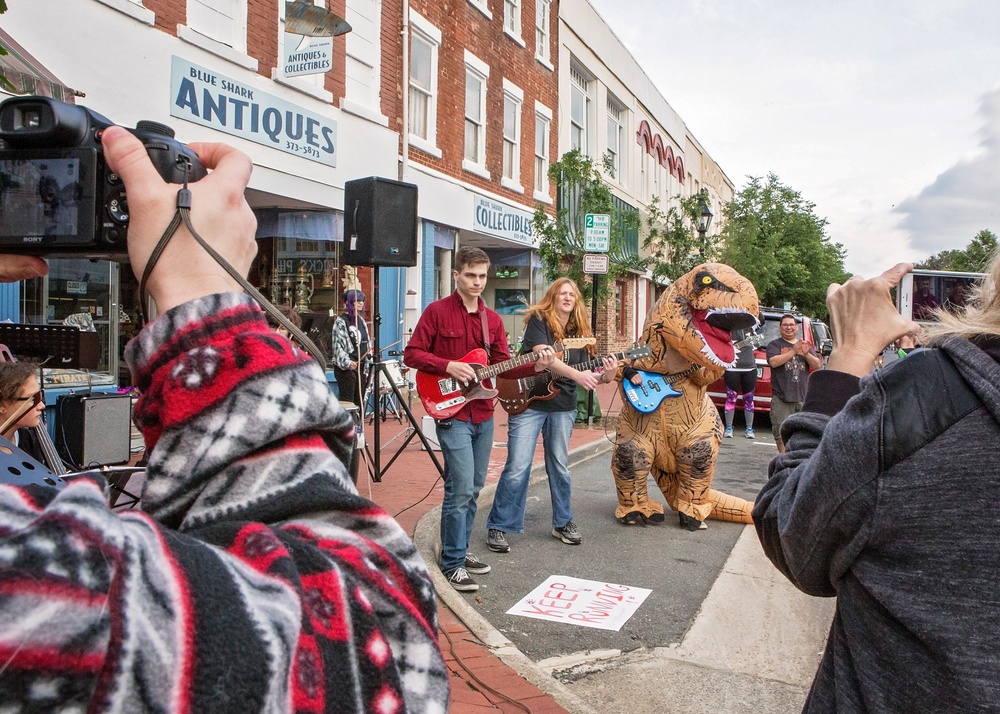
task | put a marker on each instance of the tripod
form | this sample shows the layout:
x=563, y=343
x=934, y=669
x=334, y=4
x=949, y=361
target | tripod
x=375, y=469
x=378, y=389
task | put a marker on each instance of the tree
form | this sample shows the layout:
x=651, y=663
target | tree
x=773, y=237
x=975, y=258
x=560, y=245
x=670, y=237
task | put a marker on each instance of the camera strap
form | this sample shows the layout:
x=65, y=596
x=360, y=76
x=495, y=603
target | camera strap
x=183, y=214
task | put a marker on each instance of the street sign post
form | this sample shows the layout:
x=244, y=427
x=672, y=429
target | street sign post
x=596, y=240
x=597, y=233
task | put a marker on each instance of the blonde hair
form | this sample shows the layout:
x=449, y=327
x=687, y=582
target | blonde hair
x=545, y=309
x=979, y=316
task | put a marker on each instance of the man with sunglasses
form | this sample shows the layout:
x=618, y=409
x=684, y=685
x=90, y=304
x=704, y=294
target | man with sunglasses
x=256, y=579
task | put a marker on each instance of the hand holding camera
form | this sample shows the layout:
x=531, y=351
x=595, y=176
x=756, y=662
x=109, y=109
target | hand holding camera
x=865, y=320
x=64, y=170
x=219, y=212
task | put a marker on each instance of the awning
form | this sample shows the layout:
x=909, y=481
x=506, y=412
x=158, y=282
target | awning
x=28, y=75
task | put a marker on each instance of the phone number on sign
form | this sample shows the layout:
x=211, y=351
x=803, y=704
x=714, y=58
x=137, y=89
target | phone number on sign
x=303, y=149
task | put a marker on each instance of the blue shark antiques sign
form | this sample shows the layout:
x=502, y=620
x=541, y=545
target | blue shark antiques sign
x=206, y=97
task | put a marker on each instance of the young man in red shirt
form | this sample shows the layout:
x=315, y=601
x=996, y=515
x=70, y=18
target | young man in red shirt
x=448, y=330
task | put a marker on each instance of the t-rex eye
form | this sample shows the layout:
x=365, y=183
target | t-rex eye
x=706, y=279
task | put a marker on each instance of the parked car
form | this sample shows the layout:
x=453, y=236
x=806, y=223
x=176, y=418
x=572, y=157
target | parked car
x=813, y=331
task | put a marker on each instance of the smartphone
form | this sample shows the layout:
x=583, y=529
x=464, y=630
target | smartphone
x=920, y=292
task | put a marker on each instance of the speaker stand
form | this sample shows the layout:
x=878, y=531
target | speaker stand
x=376, y=470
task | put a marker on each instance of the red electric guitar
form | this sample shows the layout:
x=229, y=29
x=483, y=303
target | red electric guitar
x=444, y=397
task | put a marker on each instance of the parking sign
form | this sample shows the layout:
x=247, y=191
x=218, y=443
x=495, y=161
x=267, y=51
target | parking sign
x=597, y=233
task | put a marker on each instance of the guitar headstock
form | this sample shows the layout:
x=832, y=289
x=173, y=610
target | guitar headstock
x=575, y=343
x=638, y=352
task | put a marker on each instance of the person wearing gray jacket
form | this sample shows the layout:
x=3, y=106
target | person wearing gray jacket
x=886, y=498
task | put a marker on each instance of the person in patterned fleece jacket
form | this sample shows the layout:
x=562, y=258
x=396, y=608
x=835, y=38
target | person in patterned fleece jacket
x=255, y=579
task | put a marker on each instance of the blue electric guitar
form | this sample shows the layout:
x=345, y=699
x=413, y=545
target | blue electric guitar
x=646, y=396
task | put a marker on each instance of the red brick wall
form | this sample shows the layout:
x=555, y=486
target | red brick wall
x=465, y=27
x=610, y=338
x=262, y=35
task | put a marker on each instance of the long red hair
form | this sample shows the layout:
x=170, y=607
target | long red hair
x=545, y=309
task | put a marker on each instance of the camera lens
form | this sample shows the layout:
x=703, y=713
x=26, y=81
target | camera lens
x=28, y=118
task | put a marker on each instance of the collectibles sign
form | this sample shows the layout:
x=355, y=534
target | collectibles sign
x=211, y=99
x=502, y=220
x=311, y=55
x=588, y=603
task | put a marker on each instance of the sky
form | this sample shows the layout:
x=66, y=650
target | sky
x=885, y=114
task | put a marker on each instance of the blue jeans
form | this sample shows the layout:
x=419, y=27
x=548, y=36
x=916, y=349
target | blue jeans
x=511, y=496
x=466, y=449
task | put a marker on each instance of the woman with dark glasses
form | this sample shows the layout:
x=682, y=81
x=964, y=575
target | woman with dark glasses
x=18, y=386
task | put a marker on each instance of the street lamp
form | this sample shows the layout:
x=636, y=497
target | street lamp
x=704, y=222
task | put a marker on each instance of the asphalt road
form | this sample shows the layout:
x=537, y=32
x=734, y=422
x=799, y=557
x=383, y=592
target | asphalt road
x=678, y=566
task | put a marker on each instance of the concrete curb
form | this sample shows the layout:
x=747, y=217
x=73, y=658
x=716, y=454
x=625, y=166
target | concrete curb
x=427, y=535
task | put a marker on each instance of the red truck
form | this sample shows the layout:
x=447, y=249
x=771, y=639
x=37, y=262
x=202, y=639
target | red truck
x=813, y=331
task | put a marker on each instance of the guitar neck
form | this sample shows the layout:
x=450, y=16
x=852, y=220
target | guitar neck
x=544, y=377
x=507, y=365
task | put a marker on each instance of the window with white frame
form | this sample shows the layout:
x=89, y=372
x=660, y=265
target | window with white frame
x=513, y=97
x=542, y=37
x=425, y=39
x=512, y=17
x=133, y=8
x=476, y=74
x=644, y=160
x=579, y=131
x=543, y=124
x=362, y=55
x=224, y=21
x=616, y=139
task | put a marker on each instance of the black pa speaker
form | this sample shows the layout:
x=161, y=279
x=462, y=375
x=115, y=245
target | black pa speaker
x=380, y=222
x=95, y=429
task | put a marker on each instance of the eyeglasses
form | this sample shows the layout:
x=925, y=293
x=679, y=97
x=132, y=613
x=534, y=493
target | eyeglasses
x=36, y=398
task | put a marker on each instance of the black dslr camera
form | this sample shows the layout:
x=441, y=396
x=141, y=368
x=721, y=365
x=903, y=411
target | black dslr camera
x=57, y=194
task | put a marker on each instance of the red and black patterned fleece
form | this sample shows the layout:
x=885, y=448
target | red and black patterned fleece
x=255, y=580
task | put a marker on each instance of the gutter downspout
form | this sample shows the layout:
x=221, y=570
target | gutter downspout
x=405, y=131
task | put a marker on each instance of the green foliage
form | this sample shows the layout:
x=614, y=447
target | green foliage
x=975, y=258
x=582, y=190
x=772, y=236
x=672, y=240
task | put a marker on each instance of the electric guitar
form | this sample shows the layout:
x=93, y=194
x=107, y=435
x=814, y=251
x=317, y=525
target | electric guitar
x=753, y=340
x=516, y=395
x=444, y=397
x=646, y=396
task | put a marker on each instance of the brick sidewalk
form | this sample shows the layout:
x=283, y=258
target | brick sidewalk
x=480, y=681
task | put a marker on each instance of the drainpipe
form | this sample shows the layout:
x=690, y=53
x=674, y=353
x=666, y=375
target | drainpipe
x=405, y=131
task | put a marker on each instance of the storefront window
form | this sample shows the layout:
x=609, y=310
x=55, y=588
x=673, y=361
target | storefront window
x=82, y=293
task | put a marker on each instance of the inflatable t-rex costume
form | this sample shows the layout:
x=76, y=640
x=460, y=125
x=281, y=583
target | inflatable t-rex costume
x=678, y=442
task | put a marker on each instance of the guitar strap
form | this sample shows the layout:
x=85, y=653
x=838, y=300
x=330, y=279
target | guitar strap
x=486, y=330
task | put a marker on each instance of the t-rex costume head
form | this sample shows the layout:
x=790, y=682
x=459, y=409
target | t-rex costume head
x=688, y=332
x=697, y=312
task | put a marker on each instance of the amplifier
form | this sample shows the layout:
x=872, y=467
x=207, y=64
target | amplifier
x=94, y=429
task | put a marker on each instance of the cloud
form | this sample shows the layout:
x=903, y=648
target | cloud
x=962, y=200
